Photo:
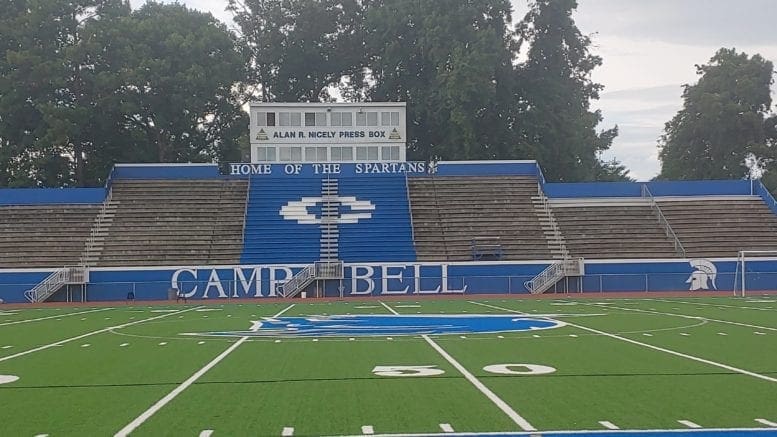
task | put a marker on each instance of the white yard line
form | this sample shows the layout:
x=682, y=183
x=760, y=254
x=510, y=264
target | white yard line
x=58, y=316
x=648, y=346
x=719, y=305
x=685, y=316
x=99, y=331
x=496, y=400
x=682, y=431
x=184, y=385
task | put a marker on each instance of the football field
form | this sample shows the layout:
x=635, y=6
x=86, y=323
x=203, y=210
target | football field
x=706, y=366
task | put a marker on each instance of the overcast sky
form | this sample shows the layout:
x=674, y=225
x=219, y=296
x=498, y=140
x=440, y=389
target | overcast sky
x=650, y=49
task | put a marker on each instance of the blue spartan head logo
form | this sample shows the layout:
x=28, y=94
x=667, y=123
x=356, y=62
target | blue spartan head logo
x=378, y=325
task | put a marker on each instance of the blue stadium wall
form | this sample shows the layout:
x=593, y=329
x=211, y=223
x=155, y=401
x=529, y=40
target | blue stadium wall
x=405, y=277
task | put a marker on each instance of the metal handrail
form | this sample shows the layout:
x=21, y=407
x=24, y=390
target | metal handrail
x=96, y=227
x=551, y=220
x=678, y=245
x=410, y=210
x=245, y=208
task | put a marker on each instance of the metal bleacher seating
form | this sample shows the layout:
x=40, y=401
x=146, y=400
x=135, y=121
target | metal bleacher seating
x=44, y=235
x=173, y=222
x=720, y=227
x=450, y=212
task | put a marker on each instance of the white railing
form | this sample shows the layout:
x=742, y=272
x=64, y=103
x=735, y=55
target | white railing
x=554, y=273
x=96, y=228
x=410, y=210
x=678, y=246
x=53, y=282
x=303, y=278
x=552, y=221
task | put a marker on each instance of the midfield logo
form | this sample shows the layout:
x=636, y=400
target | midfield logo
x=373, y=325
x=299, y=210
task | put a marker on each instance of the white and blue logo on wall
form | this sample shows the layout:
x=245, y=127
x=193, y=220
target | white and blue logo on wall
x=373, y=325
x=299, y=210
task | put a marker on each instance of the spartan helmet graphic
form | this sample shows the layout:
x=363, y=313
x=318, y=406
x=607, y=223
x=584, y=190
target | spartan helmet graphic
x=704, y=273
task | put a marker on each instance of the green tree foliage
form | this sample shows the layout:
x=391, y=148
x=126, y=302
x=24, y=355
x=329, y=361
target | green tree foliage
x=87, y=83
x=722, y=120
x=557, y=122
x=451, y=61
x=299, y=49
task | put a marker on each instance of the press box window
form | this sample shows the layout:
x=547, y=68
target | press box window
x=342, y=154
x=290, y=154
x=315, y=154
x=315, y=119
x=366, y=153
x=265, y=153
x=389, y=153
x=265, y=119
x=342, y=119
x=289, y=118
x=389, y=118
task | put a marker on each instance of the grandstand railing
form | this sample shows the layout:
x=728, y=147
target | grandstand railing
x=59, y=278
x=678, y=246
x=410, y=209
x=552, y=222
x=315, y=271
x=245, y=208
x=96, y=228
x=554, y=273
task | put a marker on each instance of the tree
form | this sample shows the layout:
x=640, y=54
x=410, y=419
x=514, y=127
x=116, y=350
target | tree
x=557, y=123
x=722, y=120
x=300, y=49
x=171, y=85
x=88, y=83
x=44, y=104
x=451, y=61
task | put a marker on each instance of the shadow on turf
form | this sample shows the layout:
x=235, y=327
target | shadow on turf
x=366, y=378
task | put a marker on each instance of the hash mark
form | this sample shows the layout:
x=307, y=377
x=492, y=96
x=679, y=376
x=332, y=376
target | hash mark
x=446, y=427
x=767, y=422
x=163, y=343
x=287, y=431
x=124, y=344
x=85, y=345
x=685, y=334
x=206, y=433
x=689, y=424
x=759, y=333
x=367, y=430
x=608, y=425
x=722, y=333
x=647, y=334
x=7, y=347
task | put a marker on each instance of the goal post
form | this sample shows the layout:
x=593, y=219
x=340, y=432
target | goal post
x=745, y=257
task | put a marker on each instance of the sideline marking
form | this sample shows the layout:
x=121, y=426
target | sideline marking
x=719, y=305
x=608, y=425
x=78, y=337
x=367, y=430
x=206, y=433
x=446, y=427
x=689, y=424
x=685, y=316
x=287, y=431
x=7, y=379
x=716, y=432
x=507, y=409
x=53, y=317
x=767, y=422
x=184, y=385
x=650, y=346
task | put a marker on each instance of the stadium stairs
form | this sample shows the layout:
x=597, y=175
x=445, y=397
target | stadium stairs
x=452, y=215
x=171, y=222
x=719, y=226
x=44, y=235
x=307, y=219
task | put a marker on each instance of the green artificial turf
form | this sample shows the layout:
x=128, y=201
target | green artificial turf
x=666, y=360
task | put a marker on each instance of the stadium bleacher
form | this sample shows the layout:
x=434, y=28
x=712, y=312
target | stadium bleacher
x=173, y=222
x=44, y=235
x=449, y=212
